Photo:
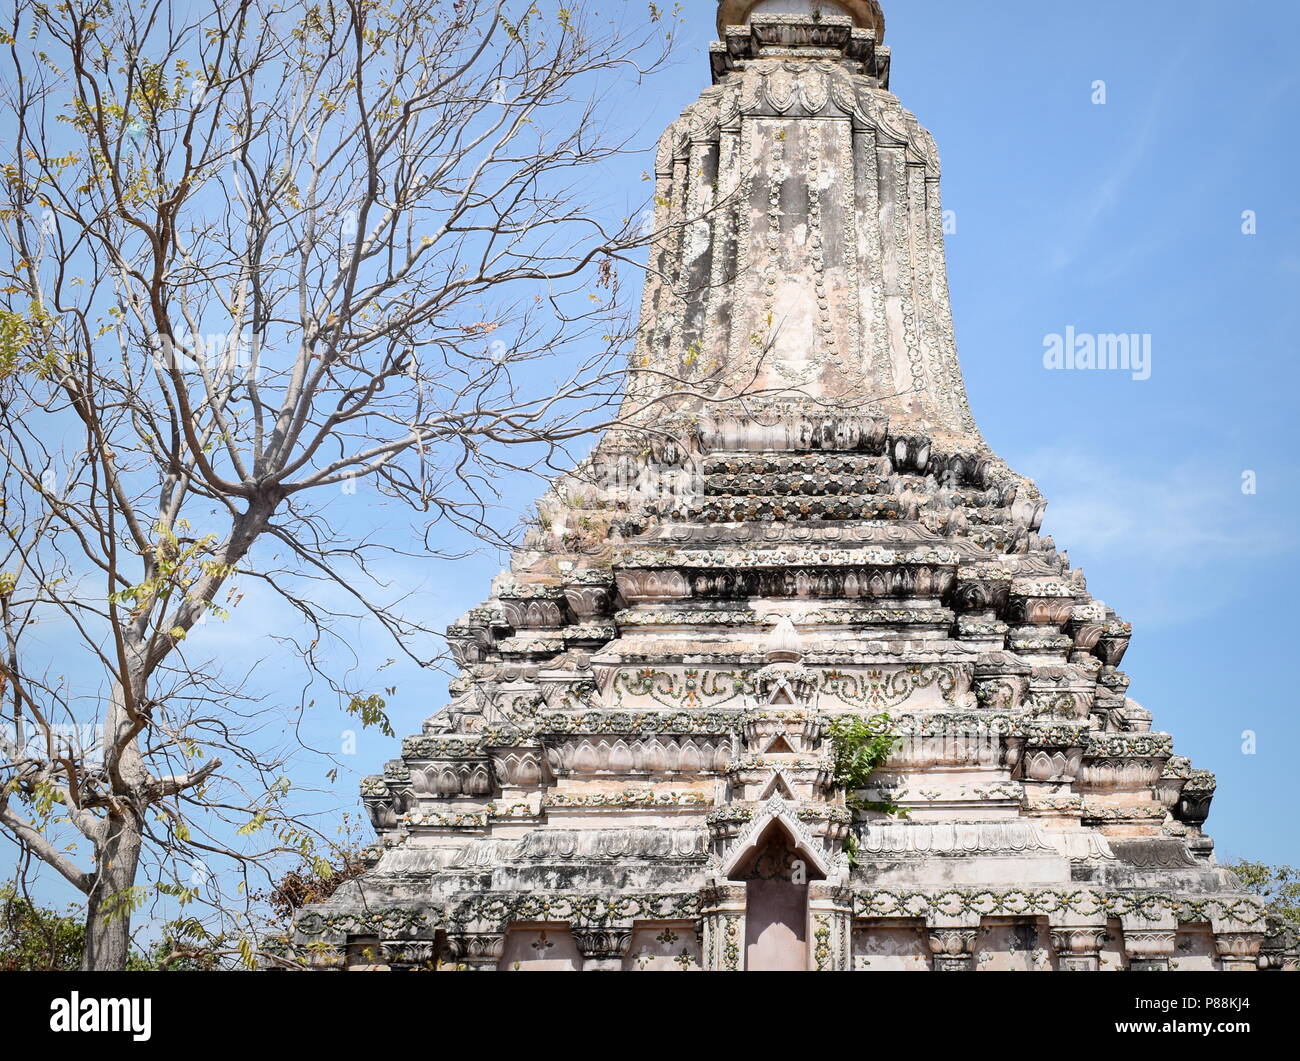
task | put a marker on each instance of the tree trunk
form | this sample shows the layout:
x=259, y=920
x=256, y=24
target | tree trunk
x=109, y=907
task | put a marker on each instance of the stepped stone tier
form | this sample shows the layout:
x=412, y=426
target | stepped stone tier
x=635, y=771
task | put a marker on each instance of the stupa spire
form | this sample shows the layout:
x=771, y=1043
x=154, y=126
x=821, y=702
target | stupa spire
x=797, y=256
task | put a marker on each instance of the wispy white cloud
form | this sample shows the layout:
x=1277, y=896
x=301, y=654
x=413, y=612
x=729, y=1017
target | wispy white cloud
x=1122, y=169
x=1152, y=535
x=1186, y=516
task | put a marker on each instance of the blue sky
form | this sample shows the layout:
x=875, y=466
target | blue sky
x=1122, y=217
x=1117, y=218
x=1127, y=217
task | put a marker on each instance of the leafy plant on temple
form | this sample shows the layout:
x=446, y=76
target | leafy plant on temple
x=860, y=747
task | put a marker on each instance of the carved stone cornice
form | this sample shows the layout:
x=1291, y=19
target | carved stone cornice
x=865, y=14
x=800, y=38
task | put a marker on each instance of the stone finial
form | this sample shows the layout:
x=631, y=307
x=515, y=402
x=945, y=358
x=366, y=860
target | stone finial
x=784, y=645
x=866, y=14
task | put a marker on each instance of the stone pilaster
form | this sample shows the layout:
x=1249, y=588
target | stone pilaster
x=1149, y=949
x=1078, y=950
x=953, y=949
x=723, y=914
x=365, y=954
x=409, y=954
x=603, y=949
x=831, y=921
x=1239, y=951
x=475, y=951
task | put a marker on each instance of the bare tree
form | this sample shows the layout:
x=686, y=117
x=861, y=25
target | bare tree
x=257, y=252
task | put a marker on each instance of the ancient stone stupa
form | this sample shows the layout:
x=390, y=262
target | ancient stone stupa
x=637, y=769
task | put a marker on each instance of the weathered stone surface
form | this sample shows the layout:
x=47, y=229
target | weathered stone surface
x=635, y=770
